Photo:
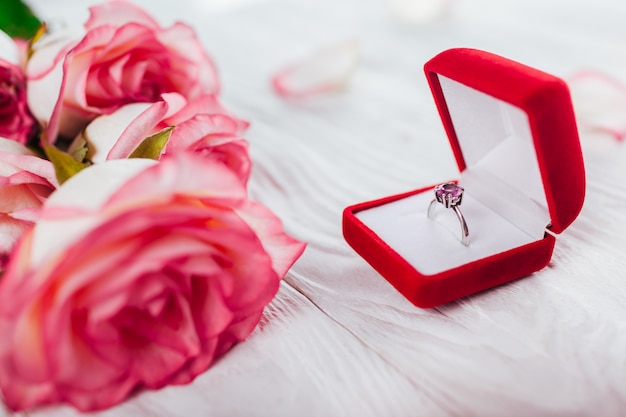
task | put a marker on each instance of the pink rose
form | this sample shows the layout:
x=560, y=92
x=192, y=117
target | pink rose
x=138, y=274
x=16, y=122
x=25, y=182
x=202, y=126
x=124, y=57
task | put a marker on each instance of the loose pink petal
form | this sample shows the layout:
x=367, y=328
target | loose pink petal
x=600, y=103
x=324, y=72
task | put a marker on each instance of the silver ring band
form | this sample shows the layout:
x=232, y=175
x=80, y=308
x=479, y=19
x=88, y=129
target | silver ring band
x=450, y=195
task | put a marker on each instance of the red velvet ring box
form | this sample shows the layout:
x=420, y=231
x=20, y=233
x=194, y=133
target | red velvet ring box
x=513, y=133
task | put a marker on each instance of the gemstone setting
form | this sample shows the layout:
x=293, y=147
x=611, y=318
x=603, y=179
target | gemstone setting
x=449, y=194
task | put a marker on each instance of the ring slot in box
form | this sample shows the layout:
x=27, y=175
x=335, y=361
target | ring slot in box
x=513, y=133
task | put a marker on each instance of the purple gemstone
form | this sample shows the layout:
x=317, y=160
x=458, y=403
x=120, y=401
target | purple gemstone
x=449, y=194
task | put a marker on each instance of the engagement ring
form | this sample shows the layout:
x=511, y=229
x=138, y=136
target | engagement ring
x=450, y=195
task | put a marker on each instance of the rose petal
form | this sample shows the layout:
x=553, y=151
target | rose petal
x=103, y=132
x=200, y=126
x=11, y=229
x=212, y=136
x=202, y=68
x=31, y=164
x=22, y=50
x=144, y=126
x=78, y=61
x=44, y=72
x=11, y=146
x=152, y=184
x=17, y=197
x=283, y=249
x=17, y=121
x=124, y=57
x=118, y=13
x=49, y=51
x=158, y=183
x=8, y=49
x=21, y=158
x=326, y=71
x=206, y=104
x=77, y=192
x=118, y=134
x=600, y=103
x=30, y=358
x=160, y=275
x=29, y=215
x=25, y=182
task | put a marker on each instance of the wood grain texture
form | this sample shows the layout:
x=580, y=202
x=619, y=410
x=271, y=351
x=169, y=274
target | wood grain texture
x=339, y=340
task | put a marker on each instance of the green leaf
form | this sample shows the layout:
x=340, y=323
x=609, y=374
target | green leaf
x=152, y=146
x=65, y=166
x=17, y=20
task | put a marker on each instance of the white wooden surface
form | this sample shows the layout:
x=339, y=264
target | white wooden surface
x=338, y=340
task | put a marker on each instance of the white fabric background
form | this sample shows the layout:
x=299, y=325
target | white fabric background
x=338, y=340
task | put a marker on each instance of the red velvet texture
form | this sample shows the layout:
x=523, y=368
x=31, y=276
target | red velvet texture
x=547, y=102
x=432, y=290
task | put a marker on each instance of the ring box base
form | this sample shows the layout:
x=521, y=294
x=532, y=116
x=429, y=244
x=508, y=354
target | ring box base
x=513, y=133
x=427, y=291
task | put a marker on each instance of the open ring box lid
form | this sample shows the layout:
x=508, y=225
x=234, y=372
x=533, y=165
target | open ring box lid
x=513, y=133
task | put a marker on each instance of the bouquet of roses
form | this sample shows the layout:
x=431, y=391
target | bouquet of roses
x=131, y=254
